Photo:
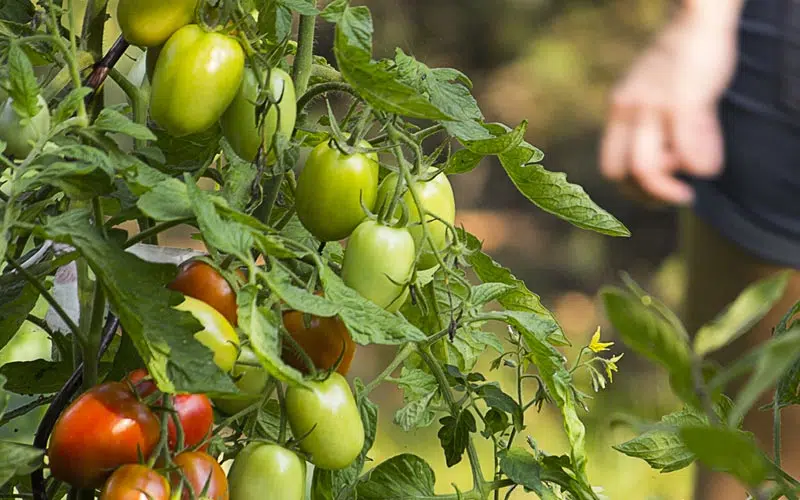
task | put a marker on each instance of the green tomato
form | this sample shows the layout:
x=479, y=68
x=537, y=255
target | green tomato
x=267, y=471
x=327, y=418
x=151, y=22
x=239, y=120
x=378, y=262
x=20, y=134
x=197, y=76
x=436, y=196
x=217, y=334
x=250, y=380
x=331, y=188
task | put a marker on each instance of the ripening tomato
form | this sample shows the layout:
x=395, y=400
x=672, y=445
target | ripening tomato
x=267, y=471
x=378, y=262
x=327, y=416
x=201, y=281
x=203, y=473
x=331, y=189
x=20, y=134
x=436, y=196
x=197, y=76
x=239, y=120
x=325, y=340
x=148, y=23
x=217, y=334
x=107, y=426
x=251, y=379
x=135, y=482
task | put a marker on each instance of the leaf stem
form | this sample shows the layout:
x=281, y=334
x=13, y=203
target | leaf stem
x=322, y=88
x=305, y=52
x=398, y=360
x=154, y=230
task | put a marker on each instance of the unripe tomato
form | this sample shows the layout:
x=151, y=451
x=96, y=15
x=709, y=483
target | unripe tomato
x=135, y=482
x=250, y=379
x=217, y=334
x=331, y=188
x=267, y=471
x=325, y=340
x=196, y=77
x=148, y=23
x=201, y=281
x=20, y=134
x=327, y=416
x=436, y=196
x=203, y=473
x=107, y=426
x=378, y=262
x=239, y=120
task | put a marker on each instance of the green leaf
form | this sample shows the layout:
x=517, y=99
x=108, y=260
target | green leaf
x=786, y=392
x=303, y=7
x=18, y=459
x=226, y=236
x=643, y=328
x=17, y=11
x=78, y=180
x=136, y=290
x=4, y=396
x=775, y=357
x=14, y=308
x=402, y=477
x=238, y=176
x=36, y=377
x=728, y=450
x=496, y=421
x=523, y=468
x=744, y=312
x=23, y=88
x=190, y=152
x=462, y=161
x=454, y=435
x=367, y=323
x=487, y=292
x=417, y=413
x=551, y=192
x=70, y=104
x=167, y=201
x=494, y=397
x=113, y=121
x=279, y=281
x=373, y=82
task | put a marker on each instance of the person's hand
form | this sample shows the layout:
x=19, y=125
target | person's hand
x=663, y=117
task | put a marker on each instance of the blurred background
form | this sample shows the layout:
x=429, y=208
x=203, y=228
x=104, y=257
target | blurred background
x=553, y=63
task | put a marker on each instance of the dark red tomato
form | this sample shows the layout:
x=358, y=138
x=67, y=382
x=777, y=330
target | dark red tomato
x=325, y=340
x=203, y=473
x=107, y=426
x=201, y=281
x=194, y=412
x=135, y=482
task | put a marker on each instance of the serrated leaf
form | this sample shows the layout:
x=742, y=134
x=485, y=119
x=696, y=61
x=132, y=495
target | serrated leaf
x=454, y=435
x=239, y=176
x=494, y=397
x=495, y=421
x=18, y=459
x=462, y=161
x=17, y=11
x=416, y=414
x=23, y=88
x=88, y=154
x=303, y=7
x=166, y=201
x=402, y=477
x=279, y=281
x=14, y=308
x=36, y=377
x=523, y=468
x=70, y=104
x=226, y=236
x=110, y=120
x=744, y=312
x=136, y=290
x=728, y=450
x=487, y=292
x=191, y=152
x=787, y=389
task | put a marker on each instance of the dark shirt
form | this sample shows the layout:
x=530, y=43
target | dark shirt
x=756, y=200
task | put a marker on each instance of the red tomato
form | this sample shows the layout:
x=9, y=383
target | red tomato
x=194, y=412
x=107, y=426
x=203, y=473
x=135, y=482
x=199, y=280
x=325, y=340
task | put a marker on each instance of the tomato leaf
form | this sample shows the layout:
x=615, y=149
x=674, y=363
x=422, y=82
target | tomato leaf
x=417, y=413
x=15, y=305
x=17, y=11
x=454, y=435
x=523, y=468
x=23, y=88
x=226, y=236
x=70, y=104
x=728, y=450
x=402, y=476
x=17, y=459
x=367, y=323
x=36, y=377
x=166, y=201
x=110, y=120
x=136, y=290
x=487, y=292
x=744, y=312
x=786, y=391
x=494, y=397
x=190, y=152
x=303, y=7
x=238, y=176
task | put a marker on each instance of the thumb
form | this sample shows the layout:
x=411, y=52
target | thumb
x=697, y=140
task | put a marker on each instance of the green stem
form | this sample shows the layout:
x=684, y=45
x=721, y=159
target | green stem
x=264, y=211
x=138, y=100
x=94, y=21
x=325, y=73
x=69, y=54
x=25, y=409
x=305, y=53
x=323, y=88
x=776, y=431
x=154, y=230
x=282, y=425
x=398, y=360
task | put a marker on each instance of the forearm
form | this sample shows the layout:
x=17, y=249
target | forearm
x=716, y=14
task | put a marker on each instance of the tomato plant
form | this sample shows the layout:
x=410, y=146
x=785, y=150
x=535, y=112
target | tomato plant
x=267, y=471
x=134, y=482
x=199, y=280
x=21, y=132
x=217, y=334
x=201, y=474
x=326, y=341
x=239, y=123
x=334, y=188
x=104, y=428
x=191, y=55
x=150, y=23
x=378, y=263
x=251, y=380
x=326, y=419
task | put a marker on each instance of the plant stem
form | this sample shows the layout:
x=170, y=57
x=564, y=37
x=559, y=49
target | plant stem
x=24, y=409
x=776, y=431
x=154, y=230
x=94, y=21
x=398, y=360
x=322, y=88
x=305, y=53
x=282, y=425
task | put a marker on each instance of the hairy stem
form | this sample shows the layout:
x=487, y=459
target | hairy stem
x=398, y=360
